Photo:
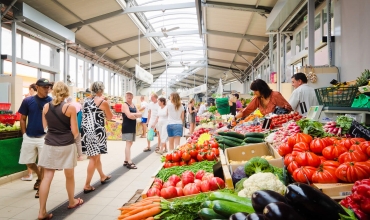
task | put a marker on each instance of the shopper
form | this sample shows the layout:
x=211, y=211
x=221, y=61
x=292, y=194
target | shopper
x=303, y=96
x=79, y=120
x=265, y=100
x=152, y=115
x=175, y=119
x=59, y=151
x=33, y=131
x=192, y=112
x=202, y=108
x=232, y=104
x=161, y=124
x=144, y=117
x=239, y=105
x=93, y=134
x=129, y=116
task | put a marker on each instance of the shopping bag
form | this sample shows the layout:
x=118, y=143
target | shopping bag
x=151, y=134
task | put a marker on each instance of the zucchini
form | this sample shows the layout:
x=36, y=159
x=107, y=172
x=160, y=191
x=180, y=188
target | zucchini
x=226, y=208
x=254, y=134
x=233, y=139
x=230, y=198
x=207, y=204
x=232, y=134
x=253, y=140
x=230, y=143
x=208, y=214
x=225, y=145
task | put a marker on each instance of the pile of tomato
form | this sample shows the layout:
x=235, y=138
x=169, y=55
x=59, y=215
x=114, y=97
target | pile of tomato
x=326, y=160
x=191, y=153
x=278, y=120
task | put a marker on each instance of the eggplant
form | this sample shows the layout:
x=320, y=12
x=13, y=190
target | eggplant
x=238, y=216
x=261, y=198
x=312, y=203
x=280, y=211
x=255, y=216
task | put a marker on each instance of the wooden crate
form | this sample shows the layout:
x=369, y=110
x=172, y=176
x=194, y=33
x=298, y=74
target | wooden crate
x=10, y=134
x=135, y=198
x=227, y=176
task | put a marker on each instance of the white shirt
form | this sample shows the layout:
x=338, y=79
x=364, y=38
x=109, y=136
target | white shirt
x=162, y=114
x=145, y=105
x=174, y=116
x=153, y=107
x=302, y=99
x=202, y=109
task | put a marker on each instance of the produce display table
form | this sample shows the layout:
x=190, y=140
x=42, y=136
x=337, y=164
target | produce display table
x=9, y=154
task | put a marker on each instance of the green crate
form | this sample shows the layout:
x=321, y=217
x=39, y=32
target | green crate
x=336, y=96
x=223, y=106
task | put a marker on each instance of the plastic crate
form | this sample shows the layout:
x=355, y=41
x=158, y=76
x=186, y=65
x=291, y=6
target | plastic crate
x=8, y=119
x=223, y=106
x=336, y=96
x=5, y=106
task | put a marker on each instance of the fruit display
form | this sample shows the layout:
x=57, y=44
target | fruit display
x=364, y=79
x=244, y=128
x=233, y=139
x=4, y=127
x=194, y=137
x=279, y=120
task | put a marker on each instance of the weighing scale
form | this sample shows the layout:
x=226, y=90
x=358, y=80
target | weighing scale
x=324, y=114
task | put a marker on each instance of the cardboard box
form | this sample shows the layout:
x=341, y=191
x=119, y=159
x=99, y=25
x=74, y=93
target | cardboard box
x=227, y=177
x=222, y=158
x=335, y=190
x=253, y=150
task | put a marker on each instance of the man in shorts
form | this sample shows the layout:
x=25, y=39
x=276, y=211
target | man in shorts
x=144, y=117
x=152, y=116
x=33, y=131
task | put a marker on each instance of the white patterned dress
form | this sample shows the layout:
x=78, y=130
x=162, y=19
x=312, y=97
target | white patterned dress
x=93, y=134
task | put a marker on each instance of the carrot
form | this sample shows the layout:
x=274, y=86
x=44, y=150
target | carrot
x=144, y=214
x=150, y=218
x=140, y=209
x=125, y=208
x=152, y=197
x=154, y=200
x=142, y=203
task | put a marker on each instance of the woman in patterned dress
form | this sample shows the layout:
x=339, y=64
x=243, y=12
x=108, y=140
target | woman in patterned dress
x=93, y=134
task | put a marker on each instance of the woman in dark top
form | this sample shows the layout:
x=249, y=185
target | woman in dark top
x=59, y=151
x=232, y=103
x=129, y=115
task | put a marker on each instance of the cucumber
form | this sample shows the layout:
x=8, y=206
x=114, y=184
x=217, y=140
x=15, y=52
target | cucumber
x=207, y=204
x=254, y=134
x=233, y=139
x=230, y=198
x=226, y=208
x=253, y=140
x=208, y=214
x=230, y=143
x=224, y=144
x=232, y=134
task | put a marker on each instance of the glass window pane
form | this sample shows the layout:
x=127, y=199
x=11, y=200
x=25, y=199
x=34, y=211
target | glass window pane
x=96, y=73
x=306, y=37
x=324, y=14
x=6, y=41
x=90, y=78
x=101, y=76
x=46, y=54
x=61, y=66
x=80, y=73
x=22, y=70
x=106, y=80
x=112, y=85
x=72, y=70
x=19, y=45
x=298, y=42
x=47, y=75
x=31, y=50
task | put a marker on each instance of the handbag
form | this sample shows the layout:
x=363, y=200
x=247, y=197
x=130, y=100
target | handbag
x=151, y=134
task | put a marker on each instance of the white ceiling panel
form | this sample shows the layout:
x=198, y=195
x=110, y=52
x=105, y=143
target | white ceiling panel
x=113, y=53
x=90, y=8
x=220, y=55
x=90, y=37
x=133, y=46
x=219, y=64
x=241, y=60
x=223, y=42
x=247, y=46
x=257, y=26
x=228, y=20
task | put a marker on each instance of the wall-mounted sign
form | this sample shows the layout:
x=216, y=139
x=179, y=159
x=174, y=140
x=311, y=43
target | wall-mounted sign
x=143, y=75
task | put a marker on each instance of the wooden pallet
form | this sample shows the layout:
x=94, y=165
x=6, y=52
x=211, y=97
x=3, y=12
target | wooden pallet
x=135, y=198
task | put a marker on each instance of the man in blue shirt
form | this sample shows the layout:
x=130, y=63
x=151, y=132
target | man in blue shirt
x=33, y=132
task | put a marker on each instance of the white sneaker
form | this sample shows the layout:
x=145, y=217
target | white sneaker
x=29, y=178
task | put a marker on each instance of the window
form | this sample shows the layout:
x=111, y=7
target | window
x=112, y=84
x=61, y=66
x=119, y=86
x=116, y=86
x=46, y=54
x=288, y=49
x=31, y=50
x=101, y=74
x=298, y=42
x=80, y=74
x=72, y=69
x=106, y=80
x=318, y=29
x=325, y=19
x=47, y=75
x=96, y=74
x=90, y=77
x=305, y=37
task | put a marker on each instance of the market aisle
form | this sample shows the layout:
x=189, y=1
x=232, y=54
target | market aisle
x=17, y=198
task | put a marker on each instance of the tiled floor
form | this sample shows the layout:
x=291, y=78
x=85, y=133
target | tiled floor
x=17, y=198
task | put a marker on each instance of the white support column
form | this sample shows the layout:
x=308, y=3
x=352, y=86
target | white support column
x=271, y=64
x=65, y=69
x=311, y=32
x=14, y=48
x=278, y=69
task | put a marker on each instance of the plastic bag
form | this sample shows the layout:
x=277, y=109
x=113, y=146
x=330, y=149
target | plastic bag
x=151, y=134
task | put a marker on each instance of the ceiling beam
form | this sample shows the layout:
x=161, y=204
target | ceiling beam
x=192, y=80
x=134, y=56
x=126, y=40
x=181, y=49
x=133, y=9
x=186, y=59
x=221, y=68
x=148, y=64
x=239, y=7
x=240, y=36
x=228, y=62
x=232, y=51
x=171, y=33
x=198, y=75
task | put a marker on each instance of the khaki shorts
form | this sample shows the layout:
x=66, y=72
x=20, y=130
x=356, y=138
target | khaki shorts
x=31, y=148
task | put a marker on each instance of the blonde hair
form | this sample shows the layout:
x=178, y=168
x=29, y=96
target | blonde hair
x=191, y=100
x=60, y=92
x=97, y=86
x=175, y=99
x=155, y=95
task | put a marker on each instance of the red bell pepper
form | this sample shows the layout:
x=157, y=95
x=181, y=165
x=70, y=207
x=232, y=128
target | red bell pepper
x=359, y=201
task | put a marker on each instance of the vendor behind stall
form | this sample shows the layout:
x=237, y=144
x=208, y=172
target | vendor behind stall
x=265, y=100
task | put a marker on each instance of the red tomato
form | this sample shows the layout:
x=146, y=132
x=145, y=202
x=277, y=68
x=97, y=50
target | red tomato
x=328, y=141
x=187, y=177
x=168, y=157
x=350, y=172
x=167, y=165
x=191, y=189
x=198, y=146
x=179, y=191
x=216, y=151
x=301, y=137
x=204, y=186
x=179, y=184
x=288, y=159
x=308, y=159
x=334, y=151
x=214, y=144
x=193, y=153
x=284, y=149
x=191, y=161
x=153, y=192
x=325, y=174
x=291, y=141
x=206, y=143
x=176, y=156
x=302, y=173
x=210, y=156
x=322, y=158
x=200, y=156
x=317, y=145
x=196, y=181
x=368, y=151
x=355, y=154
x=157, y=180
x=292, y=166
x=169, y=192
x=186, y=156
x=199, y=175
x=347, y=143
x=183, y=163
x=168, y=183
x=175, y=164
x=330, y=163
x=216, y=183
x=207, y=176
x=175, y=179
x=300, y=147
x=157, y=185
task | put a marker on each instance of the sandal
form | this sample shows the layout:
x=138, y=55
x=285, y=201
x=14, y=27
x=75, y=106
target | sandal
x=37, y=185
x=86, y=191
x=131, y=166
x=147, y=149
x=105, y=180
x=47, y=217
x=37, y=195
x=80, y=202
x=125, y=163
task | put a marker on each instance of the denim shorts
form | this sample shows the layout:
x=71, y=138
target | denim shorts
x=174, y=130
x=143, y=120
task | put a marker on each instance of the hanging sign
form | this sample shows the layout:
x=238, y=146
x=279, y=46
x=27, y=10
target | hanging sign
x=143, y=75
x=200, y=89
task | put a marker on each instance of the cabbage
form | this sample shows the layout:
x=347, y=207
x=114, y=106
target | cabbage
x=238, y=174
